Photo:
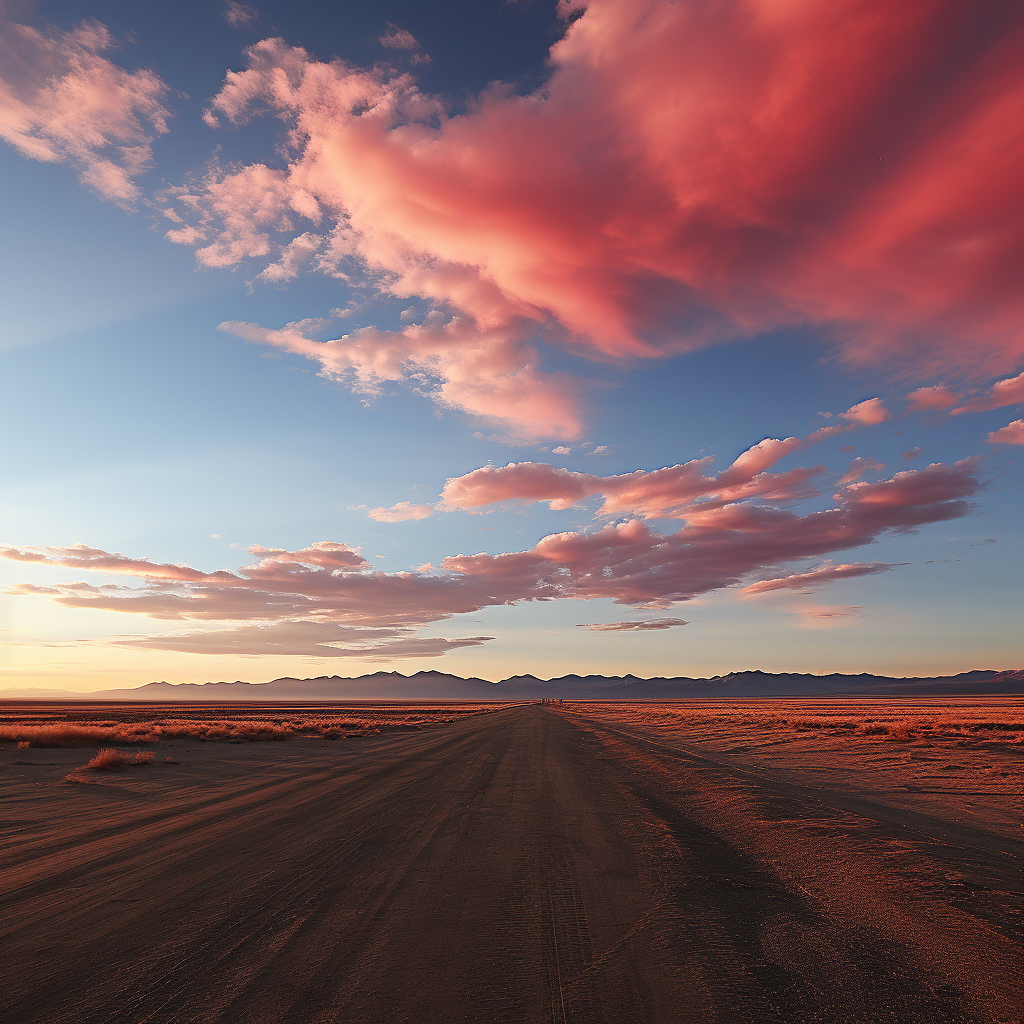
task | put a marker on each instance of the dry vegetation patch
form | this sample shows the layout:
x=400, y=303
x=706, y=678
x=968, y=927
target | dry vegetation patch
x=961, y=758
x=82, y=726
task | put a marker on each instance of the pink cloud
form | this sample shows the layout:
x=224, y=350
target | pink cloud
x=1012, y=433
x=1003, y=392
x=62, y=102
x=324, y=554
x=817, y=617
x=933, y=398
x=641, y=624
x=293, y=258
x=626, y=562
x=807, y=582
x=674, y=491
x=686, y=175
x=239, y=214
x=866, y=414
x=492, y=374
x=668, y=492
x=307, y=639
x=401, y=512
x=858, y=467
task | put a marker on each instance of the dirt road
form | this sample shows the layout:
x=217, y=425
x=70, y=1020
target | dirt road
x=526, y=865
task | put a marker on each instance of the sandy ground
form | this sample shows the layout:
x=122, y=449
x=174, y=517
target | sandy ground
x=540, y=863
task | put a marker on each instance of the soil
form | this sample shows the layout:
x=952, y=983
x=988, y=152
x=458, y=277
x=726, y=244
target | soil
x=537, y=863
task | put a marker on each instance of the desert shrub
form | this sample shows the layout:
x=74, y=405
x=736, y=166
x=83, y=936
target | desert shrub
x=65, y=734
x=806, y=724
x=112, y=759
x=23, y=745
x=873, y=729
x=902, y=732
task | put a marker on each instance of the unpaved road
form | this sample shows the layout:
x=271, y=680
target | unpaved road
x=525, y=865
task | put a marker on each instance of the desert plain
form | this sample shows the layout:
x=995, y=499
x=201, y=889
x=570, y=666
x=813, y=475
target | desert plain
x=821, y=859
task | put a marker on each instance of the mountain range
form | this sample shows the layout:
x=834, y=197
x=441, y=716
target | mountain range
x=440, y=686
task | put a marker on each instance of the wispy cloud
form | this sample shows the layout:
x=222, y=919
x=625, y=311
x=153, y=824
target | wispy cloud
x=399, y=39
x=400, y=512
x=1004, y=392
x=238, y=14
x=638, y=624
x=62, y=101
x=308, y=639
x=813, y=579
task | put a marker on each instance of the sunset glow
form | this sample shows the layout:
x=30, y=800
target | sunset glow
x=345, y=341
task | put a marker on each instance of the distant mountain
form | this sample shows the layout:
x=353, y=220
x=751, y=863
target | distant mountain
x=444, y=687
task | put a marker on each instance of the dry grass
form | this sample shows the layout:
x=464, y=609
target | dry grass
x=247, y=725
x=902, y=732
x=113, y=759
x=889, y=722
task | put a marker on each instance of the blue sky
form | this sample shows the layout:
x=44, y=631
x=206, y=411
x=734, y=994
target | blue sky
x=137, y=425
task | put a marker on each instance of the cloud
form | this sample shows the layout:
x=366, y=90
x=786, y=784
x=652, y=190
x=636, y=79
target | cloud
x=294, y=256
x=640, y=624
x=237, y=14
x=808, y=582
x=866, y=414
x=828, y=617
x=61, y=101
x=401, y=512
x=1003, y=392
x=910, y=454
x=1012, y=433
x=686, y=175
x=669, y=492
x=933, y=398
x=238, y=213
x=633, y=565
x=491, y=374
x=626, y=562
x=398, y=39
x=858, y=467
x=305, y=639
x=674, y=491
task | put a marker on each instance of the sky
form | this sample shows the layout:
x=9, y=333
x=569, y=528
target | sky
x=672, y=337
